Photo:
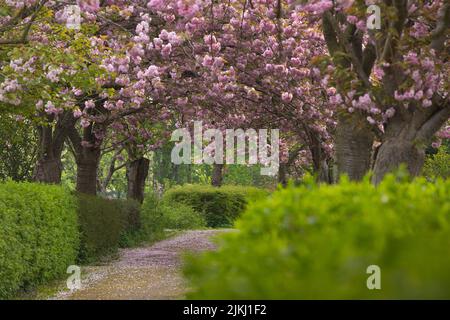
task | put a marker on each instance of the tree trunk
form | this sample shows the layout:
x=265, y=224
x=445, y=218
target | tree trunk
x=217, y=175
x=48, y=167
x=87, y=167
x=353, y=147
x=319, y=160
x=87, y=152
x=282, y=174
x=395, y=152
x=48, y=170
x=323, y=173
x=137, y=173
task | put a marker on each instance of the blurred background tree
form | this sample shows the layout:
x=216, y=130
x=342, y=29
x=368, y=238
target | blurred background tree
x=18, y=149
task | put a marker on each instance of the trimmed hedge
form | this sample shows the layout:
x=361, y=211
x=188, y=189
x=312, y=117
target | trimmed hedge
x=103, y=224
x=162, y=214
x=44, y=229
x=150, y=224
x=219, y=206
x=318, y=241
x=181, y=216
x=39, y=235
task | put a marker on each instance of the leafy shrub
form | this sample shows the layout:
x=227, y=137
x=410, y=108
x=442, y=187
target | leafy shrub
x=236, y=174
x=162, y=214
x=181, y=216
x=38, y=235
x=438, y=165
x=102, y=224
x=318, y=241
x=151, y=224
x=131, y=210
x=220, y=206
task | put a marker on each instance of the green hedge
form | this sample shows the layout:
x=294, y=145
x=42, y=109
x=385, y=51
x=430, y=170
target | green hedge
x=38, y=235
x=103, y=223
x=165, y=214
x=438, y=165
x=181, y=216
x=318, y=241
x=150, y=224
x=219, y=206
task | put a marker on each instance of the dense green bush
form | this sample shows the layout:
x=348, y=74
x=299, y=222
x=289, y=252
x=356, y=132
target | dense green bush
x=180, y=216
x=38, y=235
x=236, y=174
x=437, y=165
x=219, y=206
x=162, y=214
x=102, y=224
x=150, y=226
x=318, y=241
x=131, y=210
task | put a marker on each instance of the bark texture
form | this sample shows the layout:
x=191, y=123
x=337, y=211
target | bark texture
x=217, y=175
x=87, y=168
x=282, y=174
x=87, y=152
x=353, y=147
x=395, y=152
x=51, y=139
x=137, y=173
x=48, y=169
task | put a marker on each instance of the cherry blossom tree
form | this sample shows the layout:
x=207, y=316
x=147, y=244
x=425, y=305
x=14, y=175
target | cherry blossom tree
x=35, y=74
x=392, y=82
x=238, y=64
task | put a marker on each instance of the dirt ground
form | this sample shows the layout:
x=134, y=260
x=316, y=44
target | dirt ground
x=147, y=273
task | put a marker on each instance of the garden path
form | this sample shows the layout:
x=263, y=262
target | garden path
x=146, y=273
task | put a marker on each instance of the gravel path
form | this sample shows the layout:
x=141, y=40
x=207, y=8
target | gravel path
x=143, y=273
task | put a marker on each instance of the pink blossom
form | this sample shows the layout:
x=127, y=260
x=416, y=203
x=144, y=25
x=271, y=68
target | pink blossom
x=89, y=104
x=77, y=113
x=287, y=97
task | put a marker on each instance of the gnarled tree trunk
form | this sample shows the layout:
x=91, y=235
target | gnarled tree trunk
x=406, y=137
x=137, y=173
x=87, y=168
x=49, y=167
x=354, y=141
x=400, y=146
x=87, y=157
x=217, y=175
x=320, y=164
x=393, y=153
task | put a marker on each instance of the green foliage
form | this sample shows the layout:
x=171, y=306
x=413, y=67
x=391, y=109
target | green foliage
x=318, y=241
x=38, y=235
x=166, y=175
x=247, y=176
x=151, y=224
x=131, y=210
x=162, y=214
x=102, y=224
x=219, y=206
x=18, y=148
x=438, y=165
x=181, y=216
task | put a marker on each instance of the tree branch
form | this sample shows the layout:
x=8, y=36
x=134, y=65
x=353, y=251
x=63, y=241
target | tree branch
x=439, y=33
x=434, y=123
x=75, y=138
